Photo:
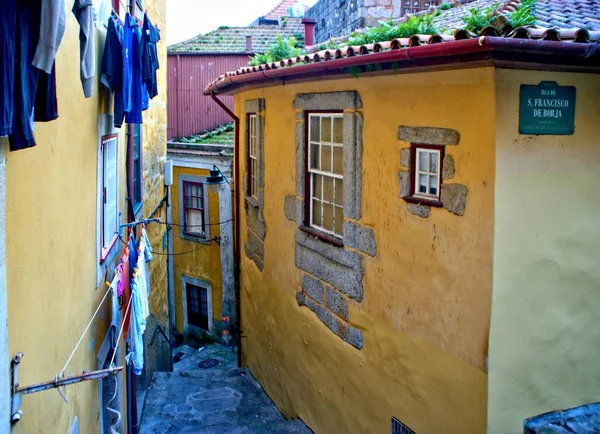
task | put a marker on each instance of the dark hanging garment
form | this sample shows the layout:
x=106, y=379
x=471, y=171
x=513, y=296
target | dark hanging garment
x=112, y=68
x=150, y=64
x=8, y=34
x=26, y=75
x=133, y=86
x=46, y=103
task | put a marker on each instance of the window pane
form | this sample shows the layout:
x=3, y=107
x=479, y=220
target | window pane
x=315, y=128
x=434, y=162
x=194, y=221
x=422, y=183
x=339, y=220
x=433, y=185
x=328, y=217
x=339, y=192
x=314, y=156
x=328, y=189
x=338, y=130
x=316, y=212
x=423, y=161
x=318, y=186
x=326, y=158
x=326, y=129
x=338, y=160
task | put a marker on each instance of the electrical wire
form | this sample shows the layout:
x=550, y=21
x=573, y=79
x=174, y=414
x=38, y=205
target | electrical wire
x=195, y=226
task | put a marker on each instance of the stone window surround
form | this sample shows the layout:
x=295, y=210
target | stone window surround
x=453, y=197
x=255, y=107
x=203, y=284
x=255, y=221
x=185, y=236
x=333, y=269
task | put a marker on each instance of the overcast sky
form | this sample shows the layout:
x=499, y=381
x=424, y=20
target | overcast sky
x=187, y=18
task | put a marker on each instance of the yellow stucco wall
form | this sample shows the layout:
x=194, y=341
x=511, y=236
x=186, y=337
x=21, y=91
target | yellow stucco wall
x=544, y=339
x=204, y=261
x=51, y=240
x=425, y=313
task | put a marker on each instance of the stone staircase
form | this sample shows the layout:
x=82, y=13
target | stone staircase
x=215, y=397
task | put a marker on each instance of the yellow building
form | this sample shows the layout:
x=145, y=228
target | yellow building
x=59, y=249
x=201, y=240
x=393, y=212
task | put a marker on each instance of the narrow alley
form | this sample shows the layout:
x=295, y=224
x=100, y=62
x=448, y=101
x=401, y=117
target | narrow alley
x=207, y=393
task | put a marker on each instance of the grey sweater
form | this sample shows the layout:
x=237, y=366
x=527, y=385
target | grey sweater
x=83, y=11
x=52, y=28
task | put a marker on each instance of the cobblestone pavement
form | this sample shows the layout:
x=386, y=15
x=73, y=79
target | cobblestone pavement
x=220, y=399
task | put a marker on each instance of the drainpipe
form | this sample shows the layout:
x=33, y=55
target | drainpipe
x=236, y=221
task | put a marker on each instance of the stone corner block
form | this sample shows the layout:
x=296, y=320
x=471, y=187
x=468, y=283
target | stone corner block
x=354, y=337
x=289, y=207
x=419, y=209
x=335, y=302
x=428, y=135
x=251, y=254
x=404, y=178
x=448, y=167
x=328, y=101
x=256, y=222
x=360, y=237
x=255, y=105
x=313, y=288
x=405, y=155
x=454, y=198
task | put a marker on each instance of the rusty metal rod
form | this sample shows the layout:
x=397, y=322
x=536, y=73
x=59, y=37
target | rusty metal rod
x=52, y=384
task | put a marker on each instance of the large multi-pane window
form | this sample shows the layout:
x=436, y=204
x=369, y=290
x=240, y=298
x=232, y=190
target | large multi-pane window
x=325, y=171
x=427, y=172
x=253, y=156
x=193, y=212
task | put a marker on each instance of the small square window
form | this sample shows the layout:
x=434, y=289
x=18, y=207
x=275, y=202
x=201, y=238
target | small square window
x=427, y=173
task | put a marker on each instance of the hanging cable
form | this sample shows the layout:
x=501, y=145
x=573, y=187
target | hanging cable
x=84, y=333
x=196, y=226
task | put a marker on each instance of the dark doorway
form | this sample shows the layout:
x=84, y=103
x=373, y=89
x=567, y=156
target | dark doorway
x=197, y=306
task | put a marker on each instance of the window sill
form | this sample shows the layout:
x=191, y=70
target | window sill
x=423, y=201
x=105, y=254
x=251, y=201
x=322, y=236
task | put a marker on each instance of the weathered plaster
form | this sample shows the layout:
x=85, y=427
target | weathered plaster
x=422, y=366
x=228, y=299
x=544, y=335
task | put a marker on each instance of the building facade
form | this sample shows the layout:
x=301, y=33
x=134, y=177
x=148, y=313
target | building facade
x=65, y=199
x=403, y=260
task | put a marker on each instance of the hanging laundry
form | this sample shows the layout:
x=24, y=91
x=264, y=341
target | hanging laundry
x=19, y=100
x=135, y=358
x=52, y=29
x=83, y=11
x=127, y=61
x=124, y=289
x=134, y=87
x=150, y=63
x=112, y=67
x=147, y=253
x=46, y=102
x=8, y=24
x=115, y=317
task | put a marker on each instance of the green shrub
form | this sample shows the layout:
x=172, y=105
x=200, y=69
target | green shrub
x=283, y=48
x=386, y=31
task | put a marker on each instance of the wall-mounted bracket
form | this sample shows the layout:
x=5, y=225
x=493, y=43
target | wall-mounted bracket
x=17, y=391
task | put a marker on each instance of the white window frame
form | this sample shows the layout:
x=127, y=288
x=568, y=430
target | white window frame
x=331, y=174
x=109, y=228
x=253, y=155
x=418, y=172
x=205, y=237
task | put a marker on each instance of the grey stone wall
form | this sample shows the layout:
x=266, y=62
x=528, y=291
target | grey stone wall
x=337, y=17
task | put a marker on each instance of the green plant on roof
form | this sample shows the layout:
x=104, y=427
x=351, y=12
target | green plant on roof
x=478, y=19
x=524, y=16
x=283, y=48
x=284, y=21
x=223, y=27
x=387, y=30
x=445, y=6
